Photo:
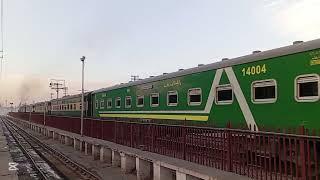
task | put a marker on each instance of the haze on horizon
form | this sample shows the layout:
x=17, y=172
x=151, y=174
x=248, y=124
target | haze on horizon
x=44, y=39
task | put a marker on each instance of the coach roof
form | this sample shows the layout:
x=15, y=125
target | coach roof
x=70, y=96
x=292, y=49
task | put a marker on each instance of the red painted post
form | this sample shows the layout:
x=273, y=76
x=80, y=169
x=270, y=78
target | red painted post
x=101, y=129
x=152, y=137
x=29, y=116
x=316, y=162
x=308, y=159
x=131, y=135
x=302, y=154
x=229, y=145
x=91, y=134
x=115, y=132
x=184, y=140
x=44, y=118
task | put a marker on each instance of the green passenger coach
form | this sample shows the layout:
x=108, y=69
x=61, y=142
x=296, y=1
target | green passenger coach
x=278, y=88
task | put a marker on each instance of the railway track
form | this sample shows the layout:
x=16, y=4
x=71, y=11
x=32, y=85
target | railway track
x=47, y=162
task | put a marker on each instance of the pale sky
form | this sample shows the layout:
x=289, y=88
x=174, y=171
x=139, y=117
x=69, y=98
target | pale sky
x=44, y=39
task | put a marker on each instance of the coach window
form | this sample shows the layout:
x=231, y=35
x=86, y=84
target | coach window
x=109, y=103
x=172, y=98
x=140, y=101
x=97, y=104
x=194, y=97
x=118, y=102
x=128, y=102
x=264, y=91
x=101, y=104
x=224, y=94
x=307, y=88
x=154, y=100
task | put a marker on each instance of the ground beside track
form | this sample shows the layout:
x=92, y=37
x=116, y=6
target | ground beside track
x=5, y=158
x=104, y=170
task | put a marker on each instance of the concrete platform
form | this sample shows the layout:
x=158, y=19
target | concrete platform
x=7, y=167
x=105, y=170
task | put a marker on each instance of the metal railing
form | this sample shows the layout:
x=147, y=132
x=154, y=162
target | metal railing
x=259, y=155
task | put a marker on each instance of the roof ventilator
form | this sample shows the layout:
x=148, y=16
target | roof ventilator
x=256, y=51
x=297, y=42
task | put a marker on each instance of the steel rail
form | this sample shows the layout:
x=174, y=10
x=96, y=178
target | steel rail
x=81, y=170
x=34, y=163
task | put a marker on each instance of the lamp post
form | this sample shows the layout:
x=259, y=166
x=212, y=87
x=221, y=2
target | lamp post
x=82, y=94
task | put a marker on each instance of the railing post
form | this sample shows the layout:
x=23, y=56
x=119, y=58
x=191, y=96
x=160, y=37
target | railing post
x=229, y=143
x=101, y=130
x=302, y=154
x=140, y=136
x=79, y=127
x=152, y=137
x=91, y=129
x=29, y=117
x=115, y=132
x=131, y=135
x=44, y=118
x=184, y=140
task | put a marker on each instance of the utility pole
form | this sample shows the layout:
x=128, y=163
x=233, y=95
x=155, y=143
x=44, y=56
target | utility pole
x=134, y=77
x=65, y=89
x=57, y=85
x=57, y=89
x=82, y=94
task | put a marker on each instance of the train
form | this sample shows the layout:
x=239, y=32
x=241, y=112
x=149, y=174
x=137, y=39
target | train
x=277, y=88
x=66, y=106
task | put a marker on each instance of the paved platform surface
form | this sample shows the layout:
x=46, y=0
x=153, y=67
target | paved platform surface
x=5, y=159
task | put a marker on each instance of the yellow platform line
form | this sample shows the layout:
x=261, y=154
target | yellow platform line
x=159, y=116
